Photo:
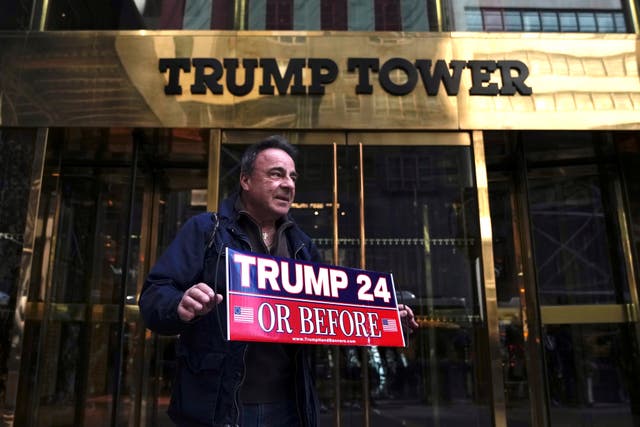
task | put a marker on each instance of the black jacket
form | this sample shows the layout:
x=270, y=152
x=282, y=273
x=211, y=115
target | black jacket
x=209, y=369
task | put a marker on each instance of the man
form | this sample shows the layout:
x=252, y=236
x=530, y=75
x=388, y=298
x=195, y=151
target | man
x=219, y=382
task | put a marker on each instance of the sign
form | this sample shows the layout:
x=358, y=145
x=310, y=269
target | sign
x=219, y=75
x=272, y=299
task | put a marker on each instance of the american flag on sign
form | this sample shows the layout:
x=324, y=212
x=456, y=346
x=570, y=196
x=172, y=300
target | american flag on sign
x=242, y=314
x=389, y=325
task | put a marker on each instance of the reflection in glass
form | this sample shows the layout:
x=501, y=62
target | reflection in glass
x=178, y=198
x=531, y=21
x=428, y=240
x=77, y=363
x=17, y=148
x=589, y=369
x=421, y=225
x=79, y=354
x=355, y=362
x=16, y=15
x=571, y=239
x=313, y=211
x=473, y=19
x=628, y=148
x=549, y=21
x=508, y=284
x=568, y=22
x=512, y=21
x=355, y=15
x=606, y=23
x=587, y=22
x=352, y=15
x=492, y=20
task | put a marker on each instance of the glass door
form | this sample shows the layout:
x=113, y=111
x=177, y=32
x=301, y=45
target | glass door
x=79, y=331
x=581, y=283
x=178, y=194
x=176, y=168
x=313, y=210
x=567, y=304
x=109, y=198
x=406, y=204
x=421, y=222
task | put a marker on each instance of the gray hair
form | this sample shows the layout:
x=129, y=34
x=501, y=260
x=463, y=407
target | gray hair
x=248, y=160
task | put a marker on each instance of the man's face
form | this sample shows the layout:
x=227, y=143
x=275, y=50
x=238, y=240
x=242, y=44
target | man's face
x=268, y=192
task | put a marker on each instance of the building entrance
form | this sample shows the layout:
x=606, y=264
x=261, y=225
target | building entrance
x=405, y=203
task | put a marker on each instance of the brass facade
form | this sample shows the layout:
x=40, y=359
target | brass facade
x=113, y=79
x=490, y=296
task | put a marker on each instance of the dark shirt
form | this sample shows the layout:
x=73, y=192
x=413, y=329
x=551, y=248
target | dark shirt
x=269, y=366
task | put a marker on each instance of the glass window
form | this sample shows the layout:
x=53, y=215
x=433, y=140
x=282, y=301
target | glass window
x=312, y=210
x=333, y=14
x=180, y=195
x=506, y=255
x=474, y=19
x=589, y=371
x=605, y=22
x=589, y=368
x=561, y=16
x=492, y=20
x=587, y=22
x=309, y=15
x=88, y=275
x=512, y=20
x=531, y=21
x=549, y=21
x=387, y=15
x=621, y=24
x=279, y=15
x=433, y=257
x=78, y=15
x=571, y=238
x=15, y=15
x=17, y=148
x=575, y=246
x=75, y=369
x=429, y=240
x=535, y=20
x=628, y=151
x=187, y=15
x=568, y=22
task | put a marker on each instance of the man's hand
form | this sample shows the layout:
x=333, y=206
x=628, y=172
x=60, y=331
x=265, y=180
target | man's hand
x=406, y=314
x=196, y=301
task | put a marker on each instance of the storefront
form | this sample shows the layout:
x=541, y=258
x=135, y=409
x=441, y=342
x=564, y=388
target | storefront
x=496, y=175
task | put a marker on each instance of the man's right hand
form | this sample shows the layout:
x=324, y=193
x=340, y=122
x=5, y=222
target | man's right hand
x=197, y=301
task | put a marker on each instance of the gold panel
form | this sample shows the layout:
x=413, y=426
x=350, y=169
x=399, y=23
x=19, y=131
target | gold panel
x=88, y=79
x=410, y=138
x=300, y=138
x=579, y=81
x=489, y=279
x=575, y=314
x=213, y=176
